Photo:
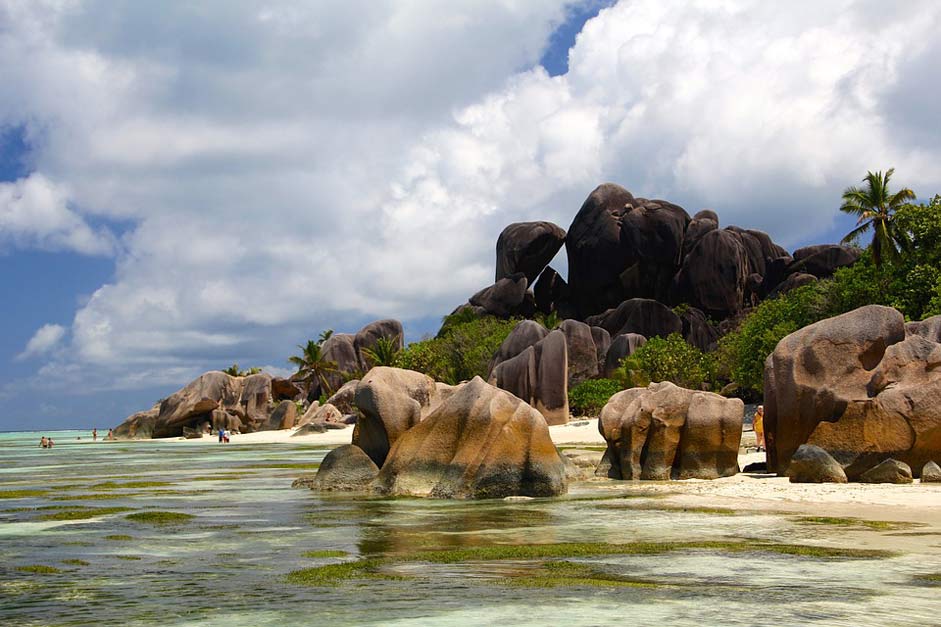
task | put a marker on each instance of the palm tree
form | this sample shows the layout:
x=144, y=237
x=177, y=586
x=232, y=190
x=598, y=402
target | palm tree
x=383, y=353
x=312, y=366
x=875, y=208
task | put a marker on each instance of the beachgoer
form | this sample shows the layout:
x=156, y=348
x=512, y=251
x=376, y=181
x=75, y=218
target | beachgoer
x=759, y=426
x=221, y=435
x=110, y=434
x=225, y=437
x=51, y=443
x=44, y=443
x=94, y=435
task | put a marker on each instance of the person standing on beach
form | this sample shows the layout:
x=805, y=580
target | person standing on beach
x=94, y=435
x=110, y=434
x=759, y=426
x=221, y=434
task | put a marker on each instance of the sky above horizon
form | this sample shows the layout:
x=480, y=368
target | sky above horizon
x=187, y=186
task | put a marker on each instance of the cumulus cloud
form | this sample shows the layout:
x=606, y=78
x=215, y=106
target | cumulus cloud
x=46, y=338
x=35, y=213
x=296, y=168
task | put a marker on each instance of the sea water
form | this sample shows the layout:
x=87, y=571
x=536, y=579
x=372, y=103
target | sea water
x=228, y=564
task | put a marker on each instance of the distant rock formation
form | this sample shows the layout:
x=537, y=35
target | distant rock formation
x=212, y=401
x=527, y=247
x=666, y=432
x=863, y=386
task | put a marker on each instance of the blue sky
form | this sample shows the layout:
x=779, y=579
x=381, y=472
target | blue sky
x=182, y=188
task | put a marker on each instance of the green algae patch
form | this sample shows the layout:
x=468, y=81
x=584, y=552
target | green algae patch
x=103, y=496
x=565, y=574
x=76, y=562
x=119, y=537
x=22, y=494
x=931, y=579
x=129, y=485
x=129, y=558
x=325, y=554
x=659, y=507
x=160, y=518
x=333, y=574
x=83, y=513
x=878, y=525
x=38, y=569
x=226, y=477
x=557, y=571
x=286, y=465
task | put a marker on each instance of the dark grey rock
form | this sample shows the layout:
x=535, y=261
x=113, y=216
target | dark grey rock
x=931, y=473
x=812, y=464
x=527, y=247
x=889, y=471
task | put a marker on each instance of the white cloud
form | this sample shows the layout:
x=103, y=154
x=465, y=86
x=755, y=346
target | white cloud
x=34, y=213
x=299, y=168
x=46, y=338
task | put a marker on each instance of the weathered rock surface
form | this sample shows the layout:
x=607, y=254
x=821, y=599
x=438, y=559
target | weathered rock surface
x=931, y=473
x=481, y=442
x=344, y=399
x=345, y=469
x=284, y=389
x=823, y=260
x=621, y=346
x=796, y=280
x=812, y=464
x=698, y=331
x=582, y=351
x=283, y=416
x=338, y=348
x=929, y=328
x=539, y=376
x=525, y=334
x=713, y=274
x=858, y=388
x=246, y=398
x=392, y=401
x=639, y=315
x=889, y=471
x=507, y=297
x=664, y=431
x=369, y=335
x=527, y=247
x=551, y=293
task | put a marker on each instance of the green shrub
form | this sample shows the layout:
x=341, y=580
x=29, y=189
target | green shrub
x=589, y=397
x=667, y=359
x=462, y=349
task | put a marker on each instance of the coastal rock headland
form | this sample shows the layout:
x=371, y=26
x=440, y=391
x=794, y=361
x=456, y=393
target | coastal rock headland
x=863, y=386
x=666, y=432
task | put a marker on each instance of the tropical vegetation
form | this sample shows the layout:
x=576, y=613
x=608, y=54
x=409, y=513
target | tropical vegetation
x=312, y=365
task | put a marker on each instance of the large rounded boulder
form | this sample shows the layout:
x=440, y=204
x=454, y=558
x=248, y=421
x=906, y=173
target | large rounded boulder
x=539, y=376
x=482, y=442
x=713, y=275
x=666, y=432
x=344, y=469
x=392, y=401
x=855, y=386
x=527, y=247
x=643, y=316
x=367, y=338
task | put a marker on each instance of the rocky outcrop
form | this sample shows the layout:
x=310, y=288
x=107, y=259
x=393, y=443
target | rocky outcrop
x=642, y=316
x=139, y=425
x=858, y=388
x=539, y=376
x=929, y=328
x=889, y=471
x=931, y=473
x=344, y=469
x=697, y=330
x=392, y=401
x=245, y=398
x=369, y=335
x=344, y=399
x=525, y=334
x=505, y=298
x=664, y=431
x=284, y=416
x=551, y=293
x=796, y=280
x=481, y=442
x=621, y=346
x=284, y=389
x=713, y=275
x=812, y=464
x=823, y=260
x=340, y=349
x=582, y=351
x=527, y=247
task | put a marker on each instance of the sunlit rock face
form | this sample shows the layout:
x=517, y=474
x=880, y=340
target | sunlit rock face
x=864, y=386
x=666, y=432
x=481, y=442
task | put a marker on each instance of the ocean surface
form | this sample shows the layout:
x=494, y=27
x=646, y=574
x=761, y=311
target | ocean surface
x=70, y=555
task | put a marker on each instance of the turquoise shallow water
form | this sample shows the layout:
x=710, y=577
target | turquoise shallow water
x=227, y=565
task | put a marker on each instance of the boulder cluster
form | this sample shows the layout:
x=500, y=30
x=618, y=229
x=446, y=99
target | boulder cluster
x=856, y=397
x=622, y=248
x=664, y=432
x=421, y=438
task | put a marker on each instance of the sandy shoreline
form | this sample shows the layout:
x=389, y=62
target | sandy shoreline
x=746, y=491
